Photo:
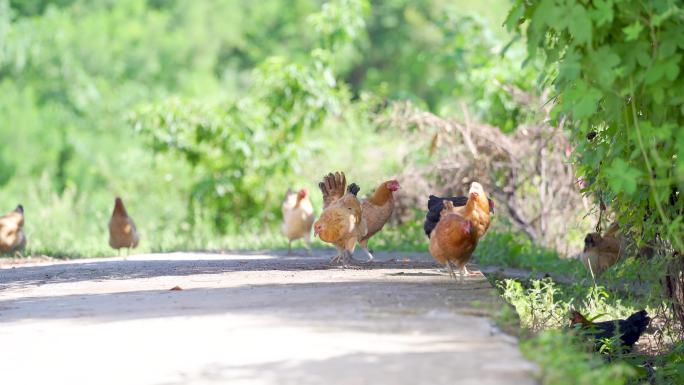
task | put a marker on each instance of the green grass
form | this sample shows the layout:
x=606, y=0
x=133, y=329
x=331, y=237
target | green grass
x=564, y=360
x=542, y=308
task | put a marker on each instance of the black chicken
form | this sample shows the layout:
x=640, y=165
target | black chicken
x=435, y=206
x=630, y=329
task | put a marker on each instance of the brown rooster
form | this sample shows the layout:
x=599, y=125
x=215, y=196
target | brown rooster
x=122, y=231
x=454, y=238
x=341, y=223
x=377, y=210
x=298, y=216
x=12, y=237
x=601, y=251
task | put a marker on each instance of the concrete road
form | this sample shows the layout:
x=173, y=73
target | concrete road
x=252, y=318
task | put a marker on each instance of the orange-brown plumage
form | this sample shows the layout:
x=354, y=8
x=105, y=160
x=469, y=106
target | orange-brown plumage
x=12, y=237
x=341, y=223
x=601, y=251
x=480, y=214
x=377, y=210
x=122, y=230
x=455, y=237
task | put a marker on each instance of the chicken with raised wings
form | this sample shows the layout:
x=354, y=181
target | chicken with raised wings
x=341, y=223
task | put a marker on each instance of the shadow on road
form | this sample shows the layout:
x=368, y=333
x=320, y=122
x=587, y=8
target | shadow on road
x=185, y=264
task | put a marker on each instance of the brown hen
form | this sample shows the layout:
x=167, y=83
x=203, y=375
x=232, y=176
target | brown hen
x=122, y=231
x=377, y=210
x=454, y=238
x=601, y=251
x=12, y=237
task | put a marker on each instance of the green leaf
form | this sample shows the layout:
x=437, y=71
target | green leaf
x=643, y=57
x=622, y=177
x=658, y=95
x=603, y=14
x=570, y=68
x=584, y=100
x=654, y=73
x=547, y=13
x=633, y=30
x=604, y=62
x=672, y=68
x=579, y=24
x=514, y=15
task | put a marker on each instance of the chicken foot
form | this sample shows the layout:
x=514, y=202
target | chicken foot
x=368, y=254
x=345, y=258
x=308, y=245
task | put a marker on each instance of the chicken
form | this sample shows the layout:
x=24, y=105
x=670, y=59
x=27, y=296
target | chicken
x=377, y=210
x=454, y=238
x=479, y=214
x=341, y=223
x=122, y=231
x=435, y=207
x=12, y=237
x=601, y=251
x=630, y=329
x=298, y=216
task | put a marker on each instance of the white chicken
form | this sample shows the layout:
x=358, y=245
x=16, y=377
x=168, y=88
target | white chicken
x=298, y=216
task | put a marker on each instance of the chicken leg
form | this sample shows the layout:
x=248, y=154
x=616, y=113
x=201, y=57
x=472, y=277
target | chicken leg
x=364, y=247
x=336, y=259
x=462, y=272
x=450, y=269
x=308, y=245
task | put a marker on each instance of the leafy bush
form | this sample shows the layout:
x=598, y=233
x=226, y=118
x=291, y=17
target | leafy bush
x=238, y=146
x=616, y=69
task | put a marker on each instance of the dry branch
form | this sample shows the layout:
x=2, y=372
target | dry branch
x=528, y=172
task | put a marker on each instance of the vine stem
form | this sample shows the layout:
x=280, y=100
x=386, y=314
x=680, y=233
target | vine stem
x=651, y=181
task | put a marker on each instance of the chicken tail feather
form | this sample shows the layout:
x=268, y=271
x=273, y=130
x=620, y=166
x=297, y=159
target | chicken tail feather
x=332, y=187
x=353, y=188
x=433, y=201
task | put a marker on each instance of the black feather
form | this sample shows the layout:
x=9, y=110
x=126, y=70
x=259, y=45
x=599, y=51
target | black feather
x=353, y=188
x=630, y=329
x=435, y=206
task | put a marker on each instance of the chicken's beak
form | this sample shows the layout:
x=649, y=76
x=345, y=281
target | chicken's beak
x=317, y=229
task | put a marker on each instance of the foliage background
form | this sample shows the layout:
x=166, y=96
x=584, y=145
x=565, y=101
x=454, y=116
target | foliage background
x=201, y=113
